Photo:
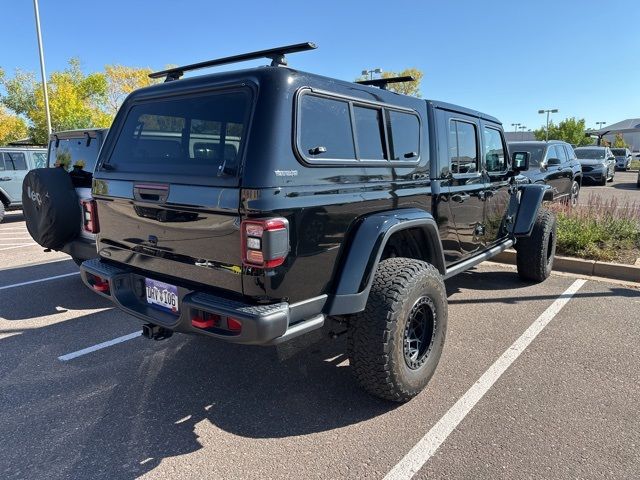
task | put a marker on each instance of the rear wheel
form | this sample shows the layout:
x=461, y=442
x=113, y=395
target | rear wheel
x=2, y=211
x=535, y=253
x=396, y=342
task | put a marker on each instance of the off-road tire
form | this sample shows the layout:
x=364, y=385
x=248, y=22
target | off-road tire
x=77, y=261
x=603, y=182
x=2, y=210
x=535, y=253
x=376, y=336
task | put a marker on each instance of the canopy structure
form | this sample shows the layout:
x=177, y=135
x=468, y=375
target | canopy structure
x=629, y=126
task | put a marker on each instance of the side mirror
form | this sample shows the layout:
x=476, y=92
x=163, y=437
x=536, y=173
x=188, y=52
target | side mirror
x=520, y=161
x=553, y=162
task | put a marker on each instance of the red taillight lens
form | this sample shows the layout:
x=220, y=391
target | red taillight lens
x=90, y=216
x=234, y=324
x=99, y=284
x=265, y=243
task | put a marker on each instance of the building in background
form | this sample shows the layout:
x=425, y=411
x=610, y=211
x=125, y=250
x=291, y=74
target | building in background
x=630, y=130
x=519, y=136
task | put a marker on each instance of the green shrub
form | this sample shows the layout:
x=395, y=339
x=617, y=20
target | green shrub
x=598, y=231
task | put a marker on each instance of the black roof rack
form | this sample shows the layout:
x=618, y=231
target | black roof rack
x=383, y=82
x=275, y=54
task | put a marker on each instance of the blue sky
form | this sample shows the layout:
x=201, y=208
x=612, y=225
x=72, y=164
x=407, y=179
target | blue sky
x=506, y=58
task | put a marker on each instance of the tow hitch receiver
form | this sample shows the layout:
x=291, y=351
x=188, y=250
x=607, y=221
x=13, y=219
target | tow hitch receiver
x=154, y=332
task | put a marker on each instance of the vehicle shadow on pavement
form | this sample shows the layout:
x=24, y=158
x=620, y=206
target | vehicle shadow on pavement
x=12, y=217
x=118, y=412
x=507, y=281
x=28, y=302
x=626, y=186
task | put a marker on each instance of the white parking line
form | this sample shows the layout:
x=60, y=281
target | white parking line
x=19, y=246
x=427, y=446
x=30, y=282
x=100, y=346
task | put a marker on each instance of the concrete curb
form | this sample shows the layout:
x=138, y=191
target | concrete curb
x=617, y=271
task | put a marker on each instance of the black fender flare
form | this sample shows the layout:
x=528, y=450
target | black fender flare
x=365, y=246
x=525, y=208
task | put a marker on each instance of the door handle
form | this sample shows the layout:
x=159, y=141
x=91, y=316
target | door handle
x=459, y=197
x=5, y=179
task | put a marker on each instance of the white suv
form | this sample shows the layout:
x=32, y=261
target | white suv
x=15, y=162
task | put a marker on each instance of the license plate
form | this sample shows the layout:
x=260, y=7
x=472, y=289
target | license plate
x=162, y=294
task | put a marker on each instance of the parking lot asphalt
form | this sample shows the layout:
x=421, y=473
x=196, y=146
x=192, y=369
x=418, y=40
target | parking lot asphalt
x=188, y=407
x=624, y=189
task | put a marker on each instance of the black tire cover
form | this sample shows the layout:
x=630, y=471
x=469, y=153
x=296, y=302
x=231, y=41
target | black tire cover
x=51, y=207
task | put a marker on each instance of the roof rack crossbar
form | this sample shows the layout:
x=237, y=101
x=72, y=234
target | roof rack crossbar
x=276, y=55
x=383, y=82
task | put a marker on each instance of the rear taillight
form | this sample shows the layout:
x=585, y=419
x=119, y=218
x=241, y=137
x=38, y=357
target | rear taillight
x=90, y=216
x=265, y=242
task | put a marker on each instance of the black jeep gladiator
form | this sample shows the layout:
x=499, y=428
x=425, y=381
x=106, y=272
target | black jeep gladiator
x=257, y=205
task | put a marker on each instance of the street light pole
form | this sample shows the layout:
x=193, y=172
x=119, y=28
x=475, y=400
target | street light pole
x=515, y=127
x=600, y=124
x=44, y=75
x=546, y=133
x=523, y=128
x=371, y=72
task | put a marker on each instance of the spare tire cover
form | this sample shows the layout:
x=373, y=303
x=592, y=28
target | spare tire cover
x=51, y=207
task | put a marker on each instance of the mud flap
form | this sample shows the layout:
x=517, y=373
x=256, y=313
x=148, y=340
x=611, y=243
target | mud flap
x=523, y=208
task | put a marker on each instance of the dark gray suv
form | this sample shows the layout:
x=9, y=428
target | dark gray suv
x=554, y=163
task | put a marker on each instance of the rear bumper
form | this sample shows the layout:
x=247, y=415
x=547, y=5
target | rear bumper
x=261, y=324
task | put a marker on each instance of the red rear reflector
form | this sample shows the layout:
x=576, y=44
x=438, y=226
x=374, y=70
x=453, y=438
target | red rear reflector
x=99, y=284
x=201, y=323
x=206, y=320
x=234, y=324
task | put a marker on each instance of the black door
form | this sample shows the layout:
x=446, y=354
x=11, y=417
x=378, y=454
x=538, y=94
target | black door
x=495, y=164
x=464, y=181
x=554, y=167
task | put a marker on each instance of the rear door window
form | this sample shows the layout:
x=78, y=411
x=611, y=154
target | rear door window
x=70, y=153
x=15, y=161
x=463, y=147
x=197, y=136
x=562, y=155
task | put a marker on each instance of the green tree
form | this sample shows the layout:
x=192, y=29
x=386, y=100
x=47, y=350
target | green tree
x=406, y=88
x=12, y=127
x=619, y=142
x=76, y=100
x=121, y=81
x=569, y=130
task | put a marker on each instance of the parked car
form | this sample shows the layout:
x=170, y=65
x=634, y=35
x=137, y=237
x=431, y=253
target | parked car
x=555, y=164
x=598, y=163
x=623, y=158
x=59, y=224
x=205, y=189
x=15, y=162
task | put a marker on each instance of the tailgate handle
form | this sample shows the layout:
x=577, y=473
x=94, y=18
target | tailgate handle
x=151, y=192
